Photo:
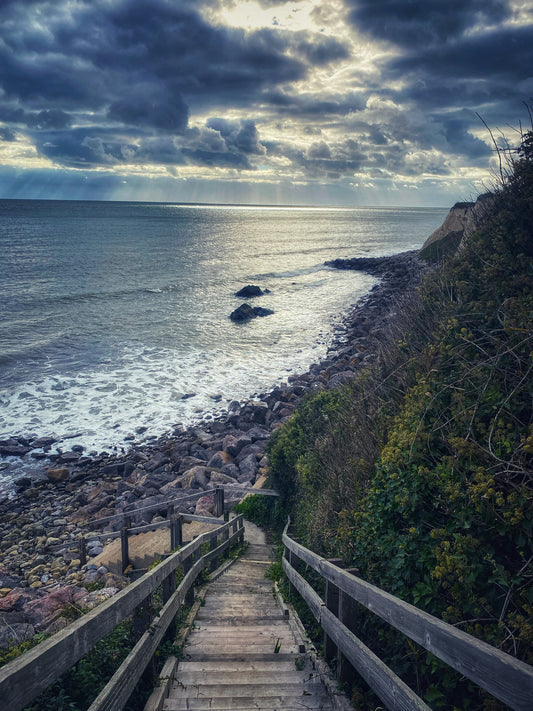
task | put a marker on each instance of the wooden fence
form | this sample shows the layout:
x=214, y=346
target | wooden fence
x=24, y=678
x=503, y=676
x=174, y=521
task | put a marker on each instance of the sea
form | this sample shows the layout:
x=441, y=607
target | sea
x=114, y=316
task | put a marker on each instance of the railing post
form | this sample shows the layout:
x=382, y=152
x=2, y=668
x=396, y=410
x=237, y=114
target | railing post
x=293, y=560
x=82, y=547
x=169, y=588
x=187, y=565
x=348, y=617
x=141, y=622
x=219, y=501
x=124, y=543
x=332, y=604
x=213, y=542
x=176, y=538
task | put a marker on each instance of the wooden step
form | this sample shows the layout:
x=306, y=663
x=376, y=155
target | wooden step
x=244, y=703
x=264, y=675
x=241, y=653
x=223, y=665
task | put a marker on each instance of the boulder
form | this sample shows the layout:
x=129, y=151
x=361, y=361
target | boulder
x=97, y=597
x=40, y=612
x=245, y=312
x=260, y=311
x=219, y=478
x=234, y=443
x=249, y=291
x=60, y=474
x=13, y=634
x=205, y=506
x=220, y=459
x=13, y=450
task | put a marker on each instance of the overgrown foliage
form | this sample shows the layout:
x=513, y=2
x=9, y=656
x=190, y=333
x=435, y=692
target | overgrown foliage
x=420, y=472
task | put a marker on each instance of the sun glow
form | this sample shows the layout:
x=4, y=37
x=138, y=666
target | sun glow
x=250, y=15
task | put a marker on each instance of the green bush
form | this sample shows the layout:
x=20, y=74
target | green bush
x=420, y=473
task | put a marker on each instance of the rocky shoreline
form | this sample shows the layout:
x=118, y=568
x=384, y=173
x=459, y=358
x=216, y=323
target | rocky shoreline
x=40, y=525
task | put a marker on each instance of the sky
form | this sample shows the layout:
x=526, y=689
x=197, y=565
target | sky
x=314, y=102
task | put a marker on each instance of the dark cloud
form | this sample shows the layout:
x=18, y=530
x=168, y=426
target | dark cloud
x=49, y=119
x=412, y=23
x=138, y=52
x=494, y=56
x=319, y=151
x=319, y=51
x=82, y=148
x=7, y=134
x=153, y=107
x=241, y=136
x=316, y=106
x=321, y=160
x=110, y=83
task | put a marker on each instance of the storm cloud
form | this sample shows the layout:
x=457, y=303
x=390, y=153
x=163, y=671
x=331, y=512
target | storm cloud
x=307, y=91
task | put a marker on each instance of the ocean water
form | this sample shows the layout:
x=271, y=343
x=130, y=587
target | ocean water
x=115, y=316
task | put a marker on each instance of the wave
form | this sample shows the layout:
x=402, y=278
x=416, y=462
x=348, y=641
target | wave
x=292, y=273
x=105, y=295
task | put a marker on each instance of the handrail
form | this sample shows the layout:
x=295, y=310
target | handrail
x=151, y=507
x=24, y=678
x=503, y=676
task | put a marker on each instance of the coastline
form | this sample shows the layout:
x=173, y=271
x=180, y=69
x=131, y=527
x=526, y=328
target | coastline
x=53, y=511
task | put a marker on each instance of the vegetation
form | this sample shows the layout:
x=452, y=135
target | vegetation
x=419, y=473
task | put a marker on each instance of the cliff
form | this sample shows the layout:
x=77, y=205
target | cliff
x=460, y=223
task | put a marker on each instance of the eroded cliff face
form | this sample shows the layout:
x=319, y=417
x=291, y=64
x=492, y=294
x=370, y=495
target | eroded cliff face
x=461, y=221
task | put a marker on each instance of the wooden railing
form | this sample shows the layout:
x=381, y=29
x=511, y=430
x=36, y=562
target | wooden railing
x=123, y=521
x=24, y=678
x=173, y=520
x=503, y=676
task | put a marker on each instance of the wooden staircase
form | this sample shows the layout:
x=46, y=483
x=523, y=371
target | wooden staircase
x=242, y=653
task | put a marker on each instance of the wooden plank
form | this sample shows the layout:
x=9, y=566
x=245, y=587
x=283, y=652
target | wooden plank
x=394, y=693
x=22, y=679
x=503, y=676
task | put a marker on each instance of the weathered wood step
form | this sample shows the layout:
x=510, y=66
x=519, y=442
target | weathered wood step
x=238, y=689
x=223, y=665
x=255, y=628
x=243, y=657
x=242, y=703
x=230, y=620
x=221, y=647
x=209, y=677
x=247, y=641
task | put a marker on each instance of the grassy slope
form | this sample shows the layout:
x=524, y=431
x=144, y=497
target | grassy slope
x=420, y=472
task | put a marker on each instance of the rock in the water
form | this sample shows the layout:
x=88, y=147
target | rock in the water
x=260, y=311
x=249, y=291
x=245, y=312
x=15, y=450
